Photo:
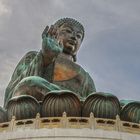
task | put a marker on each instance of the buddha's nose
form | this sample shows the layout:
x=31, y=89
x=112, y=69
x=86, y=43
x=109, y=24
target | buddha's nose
x=73, y=37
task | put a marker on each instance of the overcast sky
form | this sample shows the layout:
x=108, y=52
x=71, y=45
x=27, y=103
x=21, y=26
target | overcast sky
x=110, y=51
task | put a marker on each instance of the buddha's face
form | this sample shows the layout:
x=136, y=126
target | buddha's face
x=70, y=37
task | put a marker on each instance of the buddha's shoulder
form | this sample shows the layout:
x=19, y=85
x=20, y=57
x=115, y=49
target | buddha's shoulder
x=27, y=58
x=68, y=64
x=65, y=69
x=24, y=62
x=29, y=55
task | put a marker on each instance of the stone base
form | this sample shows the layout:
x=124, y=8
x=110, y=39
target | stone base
x=66, y=134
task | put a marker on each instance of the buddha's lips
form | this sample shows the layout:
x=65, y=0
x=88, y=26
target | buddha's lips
x=72, y=42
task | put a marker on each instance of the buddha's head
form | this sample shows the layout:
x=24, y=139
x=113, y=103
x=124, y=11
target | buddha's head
x=70, y=35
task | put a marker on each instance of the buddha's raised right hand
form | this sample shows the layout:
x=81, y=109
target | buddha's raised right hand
x=50, y=46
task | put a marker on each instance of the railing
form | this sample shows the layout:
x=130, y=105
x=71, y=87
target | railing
x=71, y=122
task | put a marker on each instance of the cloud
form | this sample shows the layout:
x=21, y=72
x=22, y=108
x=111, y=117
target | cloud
x=5, y=12
x=3, y=9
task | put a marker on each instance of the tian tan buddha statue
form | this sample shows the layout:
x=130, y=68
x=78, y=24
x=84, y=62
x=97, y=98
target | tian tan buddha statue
x=53, y=68
x=50, y=81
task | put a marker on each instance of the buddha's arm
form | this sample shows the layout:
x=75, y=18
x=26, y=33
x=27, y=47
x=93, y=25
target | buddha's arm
x=18, y=74
x=50, y=49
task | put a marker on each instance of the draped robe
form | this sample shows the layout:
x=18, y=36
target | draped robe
x=61, y=74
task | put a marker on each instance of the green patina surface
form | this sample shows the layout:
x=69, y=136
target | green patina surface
x=103, y=105
x=131, y=112
x=125, y=102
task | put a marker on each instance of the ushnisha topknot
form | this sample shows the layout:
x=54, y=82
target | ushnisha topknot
x=72, y=21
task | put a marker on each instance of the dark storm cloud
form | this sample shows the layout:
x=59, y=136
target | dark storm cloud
x=110, y=51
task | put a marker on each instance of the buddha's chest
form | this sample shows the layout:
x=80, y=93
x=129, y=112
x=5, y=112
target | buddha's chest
x=61, y=70
x=68, y=77
x=66, y=74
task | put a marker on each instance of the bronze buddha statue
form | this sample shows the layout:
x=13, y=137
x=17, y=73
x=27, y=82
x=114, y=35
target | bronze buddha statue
x=50, y=81
x=54, y=67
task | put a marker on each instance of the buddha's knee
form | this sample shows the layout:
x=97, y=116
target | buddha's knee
x=32, y=85
x=33, y=81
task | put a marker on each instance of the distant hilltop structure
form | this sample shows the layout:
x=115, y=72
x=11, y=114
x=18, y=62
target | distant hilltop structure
x=50, y=96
